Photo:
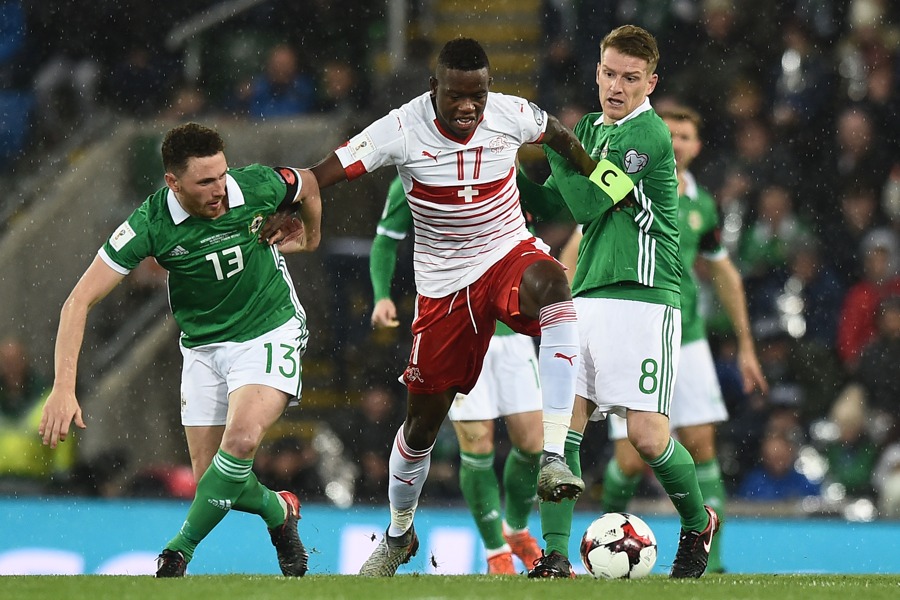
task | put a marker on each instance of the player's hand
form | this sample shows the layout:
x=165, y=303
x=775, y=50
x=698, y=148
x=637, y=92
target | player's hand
x=278, y=227
x=385, y=314
x=60, y=410
x=295, y=236
x=751, y=372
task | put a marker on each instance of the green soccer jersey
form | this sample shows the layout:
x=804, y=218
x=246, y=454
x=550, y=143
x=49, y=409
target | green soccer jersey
x=630, y=249
x=223, y=284
x=395, y=223
x=698, y=220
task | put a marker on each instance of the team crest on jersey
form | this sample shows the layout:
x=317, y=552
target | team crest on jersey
x=256, y=223
x=361, y=146
x=122, y=236
x=538, y=113
x=635, y=161
x=602, y=154
x=695, y=220
x=499, y=144
x=413, y=374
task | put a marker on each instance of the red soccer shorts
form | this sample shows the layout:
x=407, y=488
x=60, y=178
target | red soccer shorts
x=451, y=334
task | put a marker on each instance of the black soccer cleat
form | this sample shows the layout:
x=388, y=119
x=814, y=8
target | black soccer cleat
x=553, y=566
x=693, y=549
x=170, y=563
x=293, y=559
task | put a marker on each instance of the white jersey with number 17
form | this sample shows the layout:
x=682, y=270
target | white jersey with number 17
x=462, y=192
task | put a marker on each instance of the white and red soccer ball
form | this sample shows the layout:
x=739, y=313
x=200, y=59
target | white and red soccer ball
x=618, y=546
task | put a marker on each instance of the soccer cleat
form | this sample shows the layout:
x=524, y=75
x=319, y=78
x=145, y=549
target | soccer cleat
x=390, y=553
x=524, y=546
x=293, y=559
x=556, y=481
x=170, y=563
x=501, y=564
x=553, y=566
x=693, y=549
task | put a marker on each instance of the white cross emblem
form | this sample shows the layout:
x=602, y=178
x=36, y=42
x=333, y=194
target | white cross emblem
x=468, y=193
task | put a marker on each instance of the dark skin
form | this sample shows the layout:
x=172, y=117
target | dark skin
x=459, y=99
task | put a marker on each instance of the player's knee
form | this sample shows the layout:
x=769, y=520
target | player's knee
x=545, y=283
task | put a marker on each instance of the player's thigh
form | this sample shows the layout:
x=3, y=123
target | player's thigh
x=630, y=354
x=526, y=430
x=204, y=391
x=252, y=410
x=515, y=371
x=697, y=398
x=475, y=437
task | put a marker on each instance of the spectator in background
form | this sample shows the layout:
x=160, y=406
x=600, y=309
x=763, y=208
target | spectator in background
x=859, y=215
x=290, y=463
x=765, y=246
x=363, y=430
x=776, y=478
x=25, y=465
x=851, y=457
x=878, y=370
x=340, y=91
x=69, y=70
x=857, y=325
x=283, y=89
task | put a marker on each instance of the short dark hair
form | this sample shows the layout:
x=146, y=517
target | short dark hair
x=190, y=140
x=463, y=54
x=680, y=114
x=635, y=41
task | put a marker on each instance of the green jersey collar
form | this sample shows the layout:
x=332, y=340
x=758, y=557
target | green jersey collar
x=232, y=190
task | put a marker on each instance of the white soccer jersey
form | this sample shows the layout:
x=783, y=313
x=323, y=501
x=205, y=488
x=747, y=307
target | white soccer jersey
x=462, y=192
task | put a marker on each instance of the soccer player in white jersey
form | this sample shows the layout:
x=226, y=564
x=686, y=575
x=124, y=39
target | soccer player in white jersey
x=475, y=262
x=243, y=329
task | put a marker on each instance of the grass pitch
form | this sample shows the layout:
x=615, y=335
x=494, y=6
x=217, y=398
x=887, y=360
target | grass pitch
x=409, y=587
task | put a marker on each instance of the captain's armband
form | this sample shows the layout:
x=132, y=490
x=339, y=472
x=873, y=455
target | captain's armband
x=612, y=180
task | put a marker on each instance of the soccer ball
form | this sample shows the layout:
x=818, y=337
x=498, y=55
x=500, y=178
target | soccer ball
x=618, y=546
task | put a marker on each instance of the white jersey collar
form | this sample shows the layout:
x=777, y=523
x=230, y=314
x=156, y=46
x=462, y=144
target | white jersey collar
x=644, y=107
x=691, y=190
x=232, y=189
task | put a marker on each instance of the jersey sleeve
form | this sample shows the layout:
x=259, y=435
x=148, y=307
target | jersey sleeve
x=585, y=200
x=381, y=143
x=396, y=218
x=527, y=120
x=710, y=244
x=129, y=244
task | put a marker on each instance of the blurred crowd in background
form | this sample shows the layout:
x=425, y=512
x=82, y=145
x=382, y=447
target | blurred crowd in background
x=802, y=151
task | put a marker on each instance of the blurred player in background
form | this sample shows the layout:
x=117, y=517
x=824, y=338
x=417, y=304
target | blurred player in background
x=243, y=330
x=508, y=387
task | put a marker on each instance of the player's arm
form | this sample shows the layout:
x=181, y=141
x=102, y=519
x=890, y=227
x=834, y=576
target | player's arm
x=568, y=256
x=304, y=233
x=393, y=226
x=563, y=142
x=61, y=407
x=730, y=290
x=382, y=263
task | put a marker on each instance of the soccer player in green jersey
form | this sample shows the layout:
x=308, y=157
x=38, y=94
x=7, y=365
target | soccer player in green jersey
x=627, y=289
x=507, y=387
x=243, y=330
x=697, y=403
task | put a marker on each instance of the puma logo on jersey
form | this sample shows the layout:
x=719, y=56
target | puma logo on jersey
x=178, y=251
x=430, y=155
x=568, y=358
x=223, y=504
